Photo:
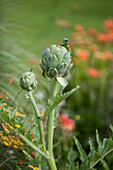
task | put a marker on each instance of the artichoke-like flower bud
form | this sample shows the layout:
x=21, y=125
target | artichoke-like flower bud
x=28, y=81
x=56, y=60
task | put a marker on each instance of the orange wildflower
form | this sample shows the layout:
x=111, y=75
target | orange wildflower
x=109, y=23
x=6, y=110
x=109, y=55
x=82, y=54
x=103, y=37
x=78, y=28
x=111, y=35
x=92, y=31
x=92, y=72
x=104, y=55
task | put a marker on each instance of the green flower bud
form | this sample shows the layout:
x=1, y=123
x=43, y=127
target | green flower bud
x=56, y=60
x=28, y=81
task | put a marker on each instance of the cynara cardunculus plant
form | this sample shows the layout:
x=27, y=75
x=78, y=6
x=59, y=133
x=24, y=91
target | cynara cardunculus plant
x=56, y=63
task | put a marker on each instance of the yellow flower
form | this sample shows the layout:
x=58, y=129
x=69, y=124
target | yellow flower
x=77, y=117
x=18, y=126
x=9, y=125
x=15, y=146
x=4, y=127
x=5, y=104
x=1, y=133
x=19, y=114
x=7, y=144
x=34, y=168
x=41, y=112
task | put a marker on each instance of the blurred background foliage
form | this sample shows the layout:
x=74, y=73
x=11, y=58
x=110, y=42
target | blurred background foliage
x=27, y=28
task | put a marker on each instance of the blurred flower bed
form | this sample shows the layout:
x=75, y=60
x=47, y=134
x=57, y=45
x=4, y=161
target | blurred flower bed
x=91, y=107
x=93, y=61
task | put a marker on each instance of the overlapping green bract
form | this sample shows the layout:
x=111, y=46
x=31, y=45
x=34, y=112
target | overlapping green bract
x=28, y=81
x=95, y=155
x=56, y=61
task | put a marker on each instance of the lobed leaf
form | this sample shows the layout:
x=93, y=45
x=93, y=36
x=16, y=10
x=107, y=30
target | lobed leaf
x=81, y=150
x=104, y=148
x=56, y=100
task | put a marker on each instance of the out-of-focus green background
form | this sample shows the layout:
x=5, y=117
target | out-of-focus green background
x=27, y=28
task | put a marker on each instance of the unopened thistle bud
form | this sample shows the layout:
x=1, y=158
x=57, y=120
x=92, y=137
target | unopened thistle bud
x=56, y=60
x=28, y=81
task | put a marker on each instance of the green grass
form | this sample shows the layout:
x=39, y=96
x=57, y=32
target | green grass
x=37, y=20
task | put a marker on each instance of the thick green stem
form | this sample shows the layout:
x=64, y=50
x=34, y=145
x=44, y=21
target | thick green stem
x=53, y=92
x=39, y=122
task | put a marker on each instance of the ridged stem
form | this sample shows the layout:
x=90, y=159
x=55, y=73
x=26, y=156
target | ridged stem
x=39, y=122
x=53, y=92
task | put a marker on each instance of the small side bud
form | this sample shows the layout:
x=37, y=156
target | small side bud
x=28, y=81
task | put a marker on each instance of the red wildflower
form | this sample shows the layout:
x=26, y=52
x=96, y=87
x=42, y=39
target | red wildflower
x=66, y=122
x=33, y=154
x=79, y=28
x=20, y=162
x=25, y=130
x=92, y=72
x=32, y=135
x=63, y=117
